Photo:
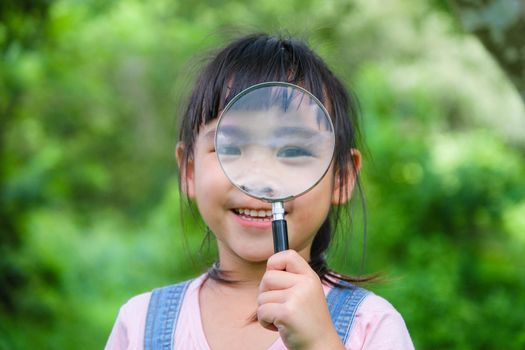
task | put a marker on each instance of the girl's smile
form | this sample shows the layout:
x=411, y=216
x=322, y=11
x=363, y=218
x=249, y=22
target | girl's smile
x=254, y=217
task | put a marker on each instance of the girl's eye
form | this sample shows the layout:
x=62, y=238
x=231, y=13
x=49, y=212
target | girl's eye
x=294, y=152
x=228, y=150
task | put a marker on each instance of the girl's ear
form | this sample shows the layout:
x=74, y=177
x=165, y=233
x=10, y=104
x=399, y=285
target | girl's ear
x=343, y=191
x=186, y=171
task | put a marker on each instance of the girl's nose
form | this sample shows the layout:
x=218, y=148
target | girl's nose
x=264, y=191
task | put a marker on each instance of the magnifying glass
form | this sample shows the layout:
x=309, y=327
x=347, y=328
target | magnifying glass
x=275, y=141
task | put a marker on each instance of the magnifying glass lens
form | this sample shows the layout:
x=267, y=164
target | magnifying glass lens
x=274, y=141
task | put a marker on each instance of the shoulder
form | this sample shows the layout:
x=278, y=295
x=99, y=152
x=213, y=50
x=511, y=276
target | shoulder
x=135, y=308
x=378, y=325
x=128, y=330
x=374, y=304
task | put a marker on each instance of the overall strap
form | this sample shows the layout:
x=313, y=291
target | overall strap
x=163, y=312
x=343, y=304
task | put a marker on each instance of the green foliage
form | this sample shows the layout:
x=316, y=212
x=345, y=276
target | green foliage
x=90, y=208
x=438, y=207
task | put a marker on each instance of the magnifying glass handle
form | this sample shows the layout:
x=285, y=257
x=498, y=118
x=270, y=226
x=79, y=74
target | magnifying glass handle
x=279, y=228
x=280, y=235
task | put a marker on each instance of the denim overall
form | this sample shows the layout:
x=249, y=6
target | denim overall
x=165, y=304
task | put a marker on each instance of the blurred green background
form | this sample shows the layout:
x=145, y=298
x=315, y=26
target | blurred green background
x=90, y=214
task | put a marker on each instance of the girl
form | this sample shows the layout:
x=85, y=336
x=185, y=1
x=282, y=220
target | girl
x=299, y=302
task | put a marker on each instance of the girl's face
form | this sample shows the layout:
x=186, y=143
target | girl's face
x=242, y=224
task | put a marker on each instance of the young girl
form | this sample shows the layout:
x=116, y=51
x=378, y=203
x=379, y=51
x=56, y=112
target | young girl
x=252, y=298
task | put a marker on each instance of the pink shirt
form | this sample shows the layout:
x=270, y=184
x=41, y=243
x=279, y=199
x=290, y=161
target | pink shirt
x=377, y=325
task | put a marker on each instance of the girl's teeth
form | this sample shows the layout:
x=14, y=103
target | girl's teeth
x=255, y=213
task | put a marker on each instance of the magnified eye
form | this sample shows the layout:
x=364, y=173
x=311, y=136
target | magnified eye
x=294, y=152
x=229, y=150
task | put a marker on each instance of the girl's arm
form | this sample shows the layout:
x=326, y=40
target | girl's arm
x=292, y=301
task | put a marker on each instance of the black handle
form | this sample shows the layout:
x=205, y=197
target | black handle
x=280, y=235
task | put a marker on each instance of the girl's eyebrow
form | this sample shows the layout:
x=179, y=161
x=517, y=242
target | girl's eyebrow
x=295, y=131
x=233, y=132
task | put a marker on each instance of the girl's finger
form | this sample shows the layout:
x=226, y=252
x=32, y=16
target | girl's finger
x=272, y=315
x=272, y=297
x=289, y=260
x=278, y=280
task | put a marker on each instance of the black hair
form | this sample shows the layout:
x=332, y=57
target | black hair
x=260, y=57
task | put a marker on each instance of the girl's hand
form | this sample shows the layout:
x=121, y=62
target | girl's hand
x=291, y=300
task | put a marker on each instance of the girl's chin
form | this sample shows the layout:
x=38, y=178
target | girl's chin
x=250, y=253
x=257, y=256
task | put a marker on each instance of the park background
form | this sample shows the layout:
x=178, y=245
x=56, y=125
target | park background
x=90, y=92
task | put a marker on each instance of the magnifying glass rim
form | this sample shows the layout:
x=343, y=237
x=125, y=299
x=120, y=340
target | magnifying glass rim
x=263, y=85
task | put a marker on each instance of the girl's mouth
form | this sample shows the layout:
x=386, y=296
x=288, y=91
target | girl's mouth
x=257, y=215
